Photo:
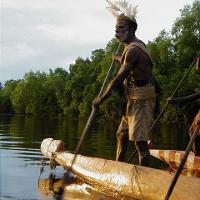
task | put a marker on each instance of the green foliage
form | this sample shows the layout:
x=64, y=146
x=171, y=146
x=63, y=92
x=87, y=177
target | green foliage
x=70, y=93
x=186, y=34
x=163, y=53
x=172, y=54
x=5, y=94
x=39, y=93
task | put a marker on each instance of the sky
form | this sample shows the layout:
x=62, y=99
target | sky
x=38, y=35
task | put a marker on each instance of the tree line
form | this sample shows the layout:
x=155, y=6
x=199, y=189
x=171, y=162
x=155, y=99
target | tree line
x=69, y=93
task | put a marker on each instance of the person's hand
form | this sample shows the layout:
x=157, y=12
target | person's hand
x=170, y=99
x=116, y=57
x=96, y=102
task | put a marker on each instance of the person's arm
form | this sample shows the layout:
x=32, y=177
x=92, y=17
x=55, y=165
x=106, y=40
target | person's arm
x=130, y=60
x=191, y=97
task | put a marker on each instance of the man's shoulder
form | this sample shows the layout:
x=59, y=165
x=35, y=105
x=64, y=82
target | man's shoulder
x=138, y=46
x=133, y=50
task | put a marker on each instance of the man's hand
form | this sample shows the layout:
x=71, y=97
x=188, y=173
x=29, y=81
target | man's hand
x=117, y=58
x=96, y=102
x=170, y=100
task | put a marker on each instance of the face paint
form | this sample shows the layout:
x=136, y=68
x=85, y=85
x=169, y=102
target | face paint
x=122, y=30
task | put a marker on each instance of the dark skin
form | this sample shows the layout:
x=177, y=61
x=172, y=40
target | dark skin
x=191, y=97
x=136, y=62
x=188, y=98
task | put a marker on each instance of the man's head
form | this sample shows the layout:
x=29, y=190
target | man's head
x=125, y=28
x=126, y=19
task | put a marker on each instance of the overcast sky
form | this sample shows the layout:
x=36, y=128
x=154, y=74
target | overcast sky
x=45, y=34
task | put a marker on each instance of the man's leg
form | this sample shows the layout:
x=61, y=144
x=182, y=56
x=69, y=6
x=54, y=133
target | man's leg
x=143, y=151
x=122, y=140
x=122, y=143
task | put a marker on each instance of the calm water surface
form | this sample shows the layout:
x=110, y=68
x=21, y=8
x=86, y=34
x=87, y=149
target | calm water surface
x=20, y=156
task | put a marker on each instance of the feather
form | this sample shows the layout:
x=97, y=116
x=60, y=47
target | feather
x=113, y=5
x=122, y=7
x=113, y=8
x=134, y=10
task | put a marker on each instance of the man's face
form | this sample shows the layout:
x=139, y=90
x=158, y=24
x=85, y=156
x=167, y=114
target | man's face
x=122, y=31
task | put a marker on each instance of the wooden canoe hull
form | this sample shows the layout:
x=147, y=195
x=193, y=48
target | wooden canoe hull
x=173, y=158
x=126, y=179
x=75, y=190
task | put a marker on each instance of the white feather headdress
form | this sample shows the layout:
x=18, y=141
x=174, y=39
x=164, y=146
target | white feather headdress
x=118, y=8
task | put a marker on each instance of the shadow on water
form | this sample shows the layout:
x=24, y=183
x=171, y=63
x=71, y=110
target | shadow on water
x=73, y=189
x=20, y=156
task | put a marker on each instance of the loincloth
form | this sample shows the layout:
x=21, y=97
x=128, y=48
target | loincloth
x=138, y=118
x=144, y=92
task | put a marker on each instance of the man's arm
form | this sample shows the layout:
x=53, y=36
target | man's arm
x=130, y=60
x=191, y=97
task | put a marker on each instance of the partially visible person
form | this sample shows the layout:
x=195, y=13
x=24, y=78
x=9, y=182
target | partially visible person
x=195, y=96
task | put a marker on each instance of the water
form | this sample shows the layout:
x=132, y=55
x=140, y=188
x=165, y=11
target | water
x=20, y=156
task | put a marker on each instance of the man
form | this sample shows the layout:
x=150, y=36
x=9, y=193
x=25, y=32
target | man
x=135, y=74
x=192, y=97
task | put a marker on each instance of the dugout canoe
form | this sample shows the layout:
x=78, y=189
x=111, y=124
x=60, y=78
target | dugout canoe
x=173, y=158
x=126, y=179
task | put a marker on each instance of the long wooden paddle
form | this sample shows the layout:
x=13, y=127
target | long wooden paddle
x=166, y=105
x=182, y=163
x=92, y=114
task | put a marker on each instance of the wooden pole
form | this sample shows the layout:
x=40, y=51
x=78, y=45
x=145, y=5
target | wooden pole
x=92, y=114
x=180, y=167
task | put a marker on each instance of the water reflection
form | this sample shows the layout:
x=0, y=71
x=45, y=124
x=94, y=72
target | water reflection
x=74, y=188
x=20, y=156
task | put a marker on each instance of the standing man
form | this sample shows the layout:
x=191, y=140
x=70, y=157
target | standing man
x=135, y=74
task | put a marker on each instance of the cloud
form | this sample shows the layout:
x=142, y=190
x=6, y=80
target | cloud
x=43, y=34
x=38, y=35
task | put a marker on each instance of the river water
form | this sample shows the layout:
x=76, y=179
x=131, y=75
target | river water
x=20, y=156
